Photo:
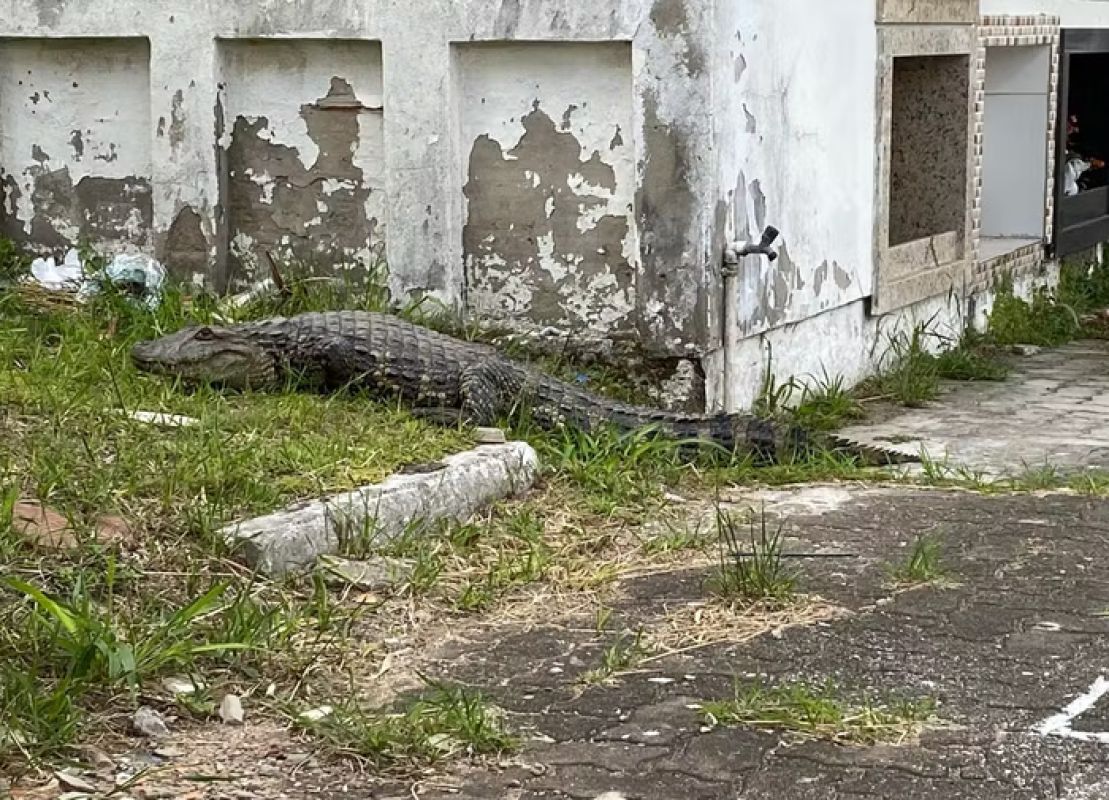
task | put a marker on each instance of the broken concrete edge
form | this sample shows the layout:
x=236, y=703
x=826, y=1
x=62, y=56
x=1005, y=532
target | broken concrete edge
x=291, y=540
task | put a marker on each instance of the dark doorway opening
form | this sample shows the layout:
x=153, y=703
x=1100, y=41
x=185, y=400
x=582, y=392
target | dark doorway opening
x=1082, y=185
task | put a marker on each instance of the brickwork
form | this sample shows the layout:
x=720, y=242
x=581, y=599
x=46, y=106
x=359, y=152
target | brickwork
x=1013, y=31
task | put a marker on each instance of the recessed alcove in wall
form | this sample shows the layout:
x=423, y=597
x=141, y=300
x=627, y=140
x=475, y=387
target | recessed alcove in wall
x=75, y=138
x=302, y=154
x=1014, y=148
x=928, y=145
x=923, y=197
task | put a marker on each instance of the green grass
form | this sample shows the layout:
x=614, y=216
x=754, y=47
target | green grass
x=752, y=568
x=827, y=404
x=67, y=388
x=98, y=625
x=14, y=263
x=445, y=722
x=618, y=656
x=923, y=563
x=820, y=712
x=1051, y=317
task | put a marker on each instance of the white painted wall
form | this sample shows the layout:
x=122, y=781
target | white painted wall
x=796, y=138
x=795, y=134
x=1014, y=161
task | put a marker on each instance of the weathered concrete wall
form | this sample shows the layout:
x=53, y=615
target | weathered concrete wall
x=795, y=137
x=74, y=150
x=799, y=86
x=302, y=128
x=550, y=234
x=252, y=140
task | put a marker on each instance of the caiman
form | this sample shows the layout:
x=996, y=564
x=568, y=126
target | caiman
x=445, y=379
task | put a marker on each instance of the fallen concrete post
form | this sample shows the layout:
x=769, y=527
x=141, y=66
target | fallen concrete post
x=292, y=539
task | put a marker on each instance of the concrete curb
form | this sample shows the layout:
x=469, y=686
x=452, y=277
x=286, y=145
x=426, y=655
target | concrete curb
x=291, y=540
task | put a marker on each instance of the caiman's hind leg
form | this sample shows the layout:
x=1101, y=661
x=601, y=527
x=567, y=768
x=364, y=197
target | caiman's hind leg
x=481, y=391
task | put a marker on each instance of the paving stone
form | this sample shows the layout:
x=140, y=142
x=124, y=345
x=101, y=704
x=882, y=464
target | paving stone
x=1053, y=409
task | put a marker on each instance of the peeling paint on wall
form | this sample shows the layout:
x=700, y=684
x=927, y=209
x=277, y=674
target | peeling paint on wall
x=549, y=236
x=303, y=165
x=75, y=157
x=186, y=248
x=539, y=239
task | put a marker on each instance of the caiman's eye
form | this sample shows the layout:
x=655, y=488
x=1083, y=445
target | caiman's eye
x=204, y=335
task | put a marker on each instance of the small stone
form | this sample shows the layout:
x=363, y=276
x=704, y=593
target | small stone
x=149, y=722
x=316, y=714
x=372, y=574
x=490, y=436
x=75, y=782
x=43, y=527
x=181, y=685
x=95, y=757
x=168, y=752
x=231, y=710
x=1025, y=349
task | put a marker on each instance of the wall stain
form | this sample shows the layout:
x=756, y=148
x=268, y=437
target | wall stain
x=759, y=200
x=567, y=117
x=671, y=306
x=78, y=145
x=819, y=276
x=508, y=19
x=751, y=126
x=842, y=276
x=315, y=214
x=113, y=154
x=671, y=20
x=740, y=67
x=527, y=258
x=49, y=11
x=177, y=120
x=185, y=250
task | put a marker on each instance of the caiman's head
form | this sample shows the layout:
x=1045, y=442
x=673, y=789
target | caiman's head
x=203, y=354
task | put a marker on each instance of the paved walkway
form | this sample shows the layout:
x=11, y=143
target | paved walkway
x=1052, y=411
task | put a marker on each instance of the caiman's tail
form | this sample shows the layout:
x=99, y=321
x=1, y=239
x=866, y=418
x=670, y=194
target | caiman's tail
x=767, y=441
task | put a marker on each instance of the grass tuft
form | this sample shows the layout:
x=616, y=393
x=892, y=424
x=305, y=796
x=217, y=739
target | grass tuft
x=752, y=569
x=446, y=722
x=818, y=712
x=620, y=655
x=922, y=565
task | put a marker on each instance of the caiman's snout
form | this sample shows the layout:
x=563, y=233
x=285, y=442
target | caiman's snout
x=202, y=354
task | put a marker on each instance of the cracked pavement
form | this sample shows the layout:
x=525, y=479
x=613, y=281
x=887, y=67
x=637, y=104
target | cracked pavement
x=1015, y=638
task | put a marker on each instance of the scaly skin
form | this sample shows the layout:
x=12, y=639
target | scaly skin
x=440, y=377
